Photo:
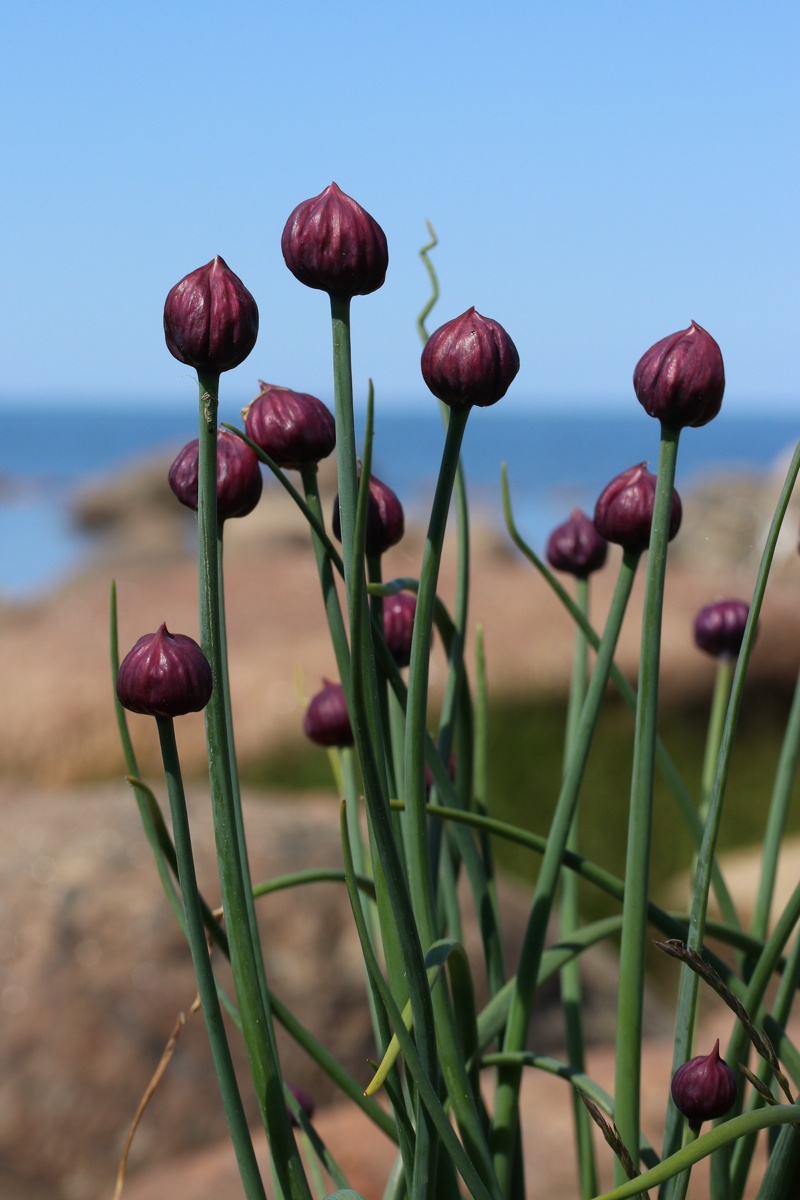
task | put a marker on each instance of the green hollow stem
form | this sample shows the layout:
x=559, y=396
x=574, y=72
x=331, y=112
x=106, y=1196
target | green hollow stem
x=416, y=826
x=569, y=919
x=510, y=1076
x=330, y=597
x=637, y=868
x=719, y=705
x=206, y=983
x=404, y=935
x=236, y=896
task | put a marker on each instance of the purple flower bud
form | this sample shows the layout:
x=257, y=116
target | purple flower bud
x=398, y=625
x=681, y=379
x=305, y=1103
x=293, y=428
x=469, y=361
x=331, y=243
x=719, y=627
x=624, y=511
x=210, y=319
x=239, y=480
x=385, y=518
x=704, y=1088
x=164, y=675
x=327, y=721
x=576, y=546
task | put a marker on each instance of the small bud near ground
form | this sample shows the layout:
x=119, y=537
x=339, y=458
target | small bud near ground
x=576, y=547
x=681, y=379
x=332, y=244
x=624, y=510
x=164, y=675
x=239, y=479
x=327, y=721
x=704, y=1088
x=385, y=518
x=719, y=628
x=295, y=429
x=469, y=361
x=210, y=319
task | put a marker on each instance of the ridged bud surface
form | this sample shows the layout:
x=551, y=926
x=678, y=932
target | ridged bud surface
x=681, y=379
x=624, y=510
x=239, y=479
x=469, y=361
x=210, y=319
x=327, y=721
x=719, y=627
x=704, y=1088
x=385, y=519
x=332, y=244
x=576, y=546
x=164, y=675
x=398, y=625
x=293, y=428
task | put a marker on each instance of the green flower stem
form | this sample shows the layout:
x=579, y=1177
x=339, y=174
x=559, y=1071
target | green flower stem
x=665, y=764
x=493, y=942
x=330, y=596
x=509, y=1077
x=687, y=997
x=719, y=705
x=206, y=983
x=682, y=1182
x=720, y=1136
x=776, y=820
x=569, y=917
x=417, y=845
x=236, y=897
x=637, y=869
x=403, y=930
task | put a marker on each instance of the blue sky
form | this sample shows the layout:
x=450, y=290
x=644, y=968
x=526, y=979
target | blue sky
x=598, y=174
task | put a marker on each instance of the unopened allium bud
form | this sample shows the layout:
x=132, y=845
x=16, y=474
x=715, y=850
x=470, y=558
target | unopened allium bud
x=164, y=675
x=210, y=319
x=385, y=519
x=576, y=546
x=327, y=721
x=681, y=379
x=239, y=480
x=704, y=1088
x=719, y=627
x=469, y=361
x=624, y=511
x=331, y=243
x=398, y=625
x=293, y=428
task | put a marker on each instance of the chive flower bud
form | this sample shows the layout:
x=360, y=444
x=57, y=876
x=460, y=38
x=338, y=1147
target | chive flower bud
x=239, y=479
x=469, y=361
x=719, y=628
x=332, y=244
x=624, y=510
x=296, y=430
x=576, y=547
x=210, y=319
x=164, y=675
x=385, y=519
x=327, y=721
x=681, y=379
x=704, y=1088
x=305, y=1103
x=398, y=625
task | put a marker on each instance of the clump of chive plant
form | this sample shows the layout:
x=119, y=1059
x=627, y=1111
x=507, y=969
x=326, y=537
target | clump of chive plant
x=416, y=834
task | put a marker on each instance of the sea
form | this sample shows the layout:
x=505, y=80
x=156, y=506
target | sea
x=557, y=459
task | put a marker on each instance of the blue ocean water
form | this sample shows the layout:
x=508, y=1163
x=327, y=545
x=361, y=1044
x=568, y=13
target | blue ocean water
x=556, y=461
